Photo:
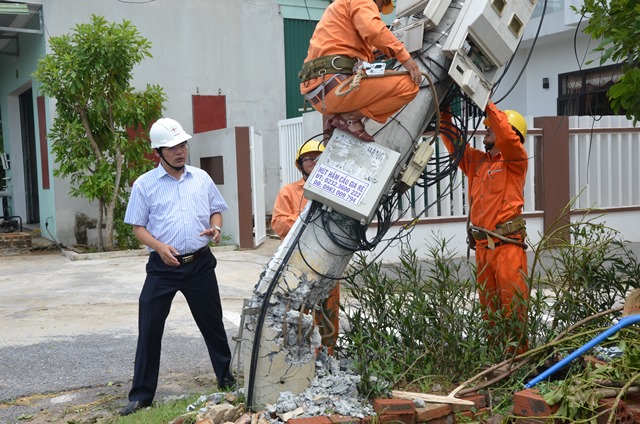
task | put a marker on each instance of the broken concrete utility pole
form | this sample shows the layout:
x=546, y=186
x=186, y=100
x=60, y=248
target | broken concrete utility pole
x=453, y=43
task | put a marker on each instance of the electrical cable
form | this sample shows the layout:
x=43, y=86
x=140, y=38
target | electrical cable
x=524, y=66
x=46, y=227
x=265, y=304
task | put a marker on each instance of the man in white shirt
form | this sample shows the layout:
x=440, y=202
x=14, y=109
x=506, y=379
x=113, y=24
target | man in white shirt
x=176, y=210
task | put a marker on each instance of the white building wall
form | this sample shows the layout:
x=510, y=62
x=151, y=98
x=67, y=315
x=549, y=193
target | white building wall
x=221, y=47
x=559, y=49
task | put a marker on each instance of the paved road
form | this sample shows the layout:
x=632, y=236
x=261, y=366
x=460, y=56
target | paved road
x=69, y=324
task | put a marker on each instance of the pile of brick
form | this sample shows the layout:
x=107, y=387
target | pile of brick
x=15, y=243
x=530, y=405
x=387, y=411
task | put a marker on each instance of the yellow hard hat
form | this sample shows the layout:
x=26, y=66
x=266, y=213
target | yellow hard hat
x=516, y=120
x=310, y=146
x=387, y=8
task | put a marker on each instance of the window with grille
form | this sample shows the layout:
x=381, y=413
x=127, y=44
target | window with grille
x=585, y=92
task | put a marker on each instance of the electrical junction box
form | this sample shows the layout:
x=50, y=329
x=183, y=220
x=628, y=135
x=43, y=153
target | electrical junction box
x=483, y=38
x=409, y=7
x=430, y=10
x=411, y=36
x=351, y=176
x=417, y=164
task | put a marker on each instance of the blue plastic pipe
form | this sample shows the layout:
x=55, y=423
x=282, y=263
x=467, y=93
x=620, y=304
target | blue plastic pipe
x=624, y=322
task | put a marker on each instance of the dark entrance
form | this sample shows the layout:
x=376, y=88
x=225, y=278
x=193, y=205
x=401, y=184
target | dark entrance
x=30, y=158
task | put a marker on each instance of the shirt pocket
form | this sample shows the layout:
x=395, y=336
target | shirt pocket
x=200, y=202
x=497, y=180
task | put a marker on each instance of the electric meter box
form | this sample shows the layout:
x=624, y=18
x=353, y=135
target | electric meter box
x=351, y=176
x=483, y=38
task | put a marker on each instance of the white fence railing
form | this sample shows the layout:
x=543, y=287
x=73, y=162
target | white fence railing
x=291, y=135
x=447, y=198
x=604, y=166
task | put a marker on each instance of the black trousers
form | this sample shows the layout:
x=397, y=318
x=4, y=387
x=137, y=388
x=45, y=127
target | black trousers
x=197, y=282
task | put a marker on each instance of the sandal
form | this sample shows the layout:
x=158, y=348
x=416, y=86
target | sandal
x=353, y=127
x=328, y=126
x=327, y=130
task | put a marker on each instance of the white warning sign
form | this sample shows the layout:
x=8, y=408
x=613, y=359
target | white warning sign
x=338, y=184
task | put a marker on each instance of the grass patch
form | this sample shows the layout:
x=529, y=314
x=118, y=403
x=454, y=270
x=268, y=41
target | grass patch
x=158, y=413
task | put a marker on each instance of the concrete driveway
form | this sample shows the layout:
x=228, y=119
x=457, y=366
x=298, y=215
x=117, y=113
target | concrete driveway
x=67, y=324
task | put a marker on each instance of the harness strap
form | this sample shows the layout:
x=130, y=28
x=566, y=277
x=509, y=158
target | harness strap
x=514, y=226
x=333, y=64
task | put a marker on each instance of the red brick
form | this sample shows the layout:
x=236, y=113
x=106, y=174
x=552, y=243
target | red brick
x=632, y=398
x=310, y=420
x=621, y=415
x=634, y=410
x=432, y=411
x=529, y=403
x=474, y=413
x=368, y=420
x=397, y=419
x=588, y=359
x=449, y=419
x=15, y=240
x=343, y=419
x=479, y=401
x=393, y=406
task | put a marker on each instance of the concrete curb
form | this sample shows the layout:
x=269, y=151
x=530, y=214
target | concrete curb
x=74, y=256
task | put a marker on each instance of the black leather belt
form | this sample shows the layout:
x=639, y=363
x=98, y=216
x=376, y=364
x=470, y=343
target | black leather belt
x=190, y=257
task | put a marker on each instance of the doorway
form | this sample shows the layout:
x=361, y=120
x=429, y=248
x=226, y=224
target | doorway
x=30, y=164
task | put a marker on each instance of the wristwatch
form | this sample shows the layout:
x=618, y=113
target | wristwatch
x=217, y=228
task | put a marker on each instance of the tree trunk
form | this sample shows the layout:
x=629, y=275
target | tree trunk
x=109, y=224
x=100, y=238
x=111, y=205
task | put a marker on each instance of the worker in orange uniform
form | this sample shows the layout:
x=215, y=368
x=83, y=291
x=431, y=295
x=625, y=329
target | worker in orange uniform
x=290, y=200
x=496, y=186
x=289, y=204
x=350, y=31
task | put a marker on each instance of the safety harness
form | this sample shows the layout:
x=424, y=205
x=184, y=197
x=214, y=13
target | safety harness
x=333, y=64
x=504, y=233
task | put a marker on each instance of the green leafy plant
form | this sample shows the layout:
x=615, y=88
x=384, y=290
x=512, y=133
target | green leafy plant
x=97, y=136
x=411, y=324
x=616, y=23
x=417, y=326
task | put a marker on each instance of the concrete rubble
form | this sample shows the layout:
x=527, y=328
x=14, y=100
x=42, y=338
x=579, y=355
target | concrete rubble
x=333, y=390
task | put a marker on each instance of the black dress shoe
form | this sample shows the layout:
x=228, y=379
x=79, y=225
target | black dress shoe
x=133, y=406
x=227, y=384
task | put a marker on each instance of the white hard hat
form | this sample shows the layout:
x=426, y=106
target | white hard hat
x=167, y=132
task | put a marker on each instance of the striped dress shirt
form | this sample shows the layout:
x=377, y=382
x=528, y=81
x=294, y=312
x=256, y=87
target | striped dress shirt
x=175, y=212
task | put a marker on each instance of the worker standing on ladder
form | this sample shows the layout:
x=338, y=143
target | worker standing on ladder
x=351, y=31
x=496, y=197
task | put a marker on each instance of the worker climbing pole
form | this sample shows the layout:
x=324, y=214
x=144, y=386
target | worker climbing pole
x=456, y=48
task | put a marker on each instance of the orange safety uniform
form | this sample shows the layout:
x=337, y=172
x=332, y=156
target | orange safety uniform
x=353, y=28
x=496, y=186
x=290, y=202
